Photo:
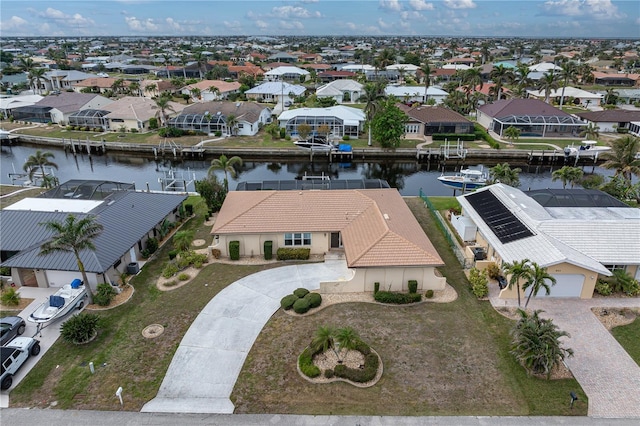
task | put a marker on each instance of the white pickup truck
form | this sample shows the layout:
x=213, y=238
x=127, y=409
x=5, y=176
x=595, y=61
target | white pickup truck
x=14, y=355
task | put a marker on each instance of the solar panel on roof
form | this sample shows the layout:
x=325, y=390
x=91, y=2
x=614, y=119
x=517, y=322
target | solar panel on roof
x=504, y=224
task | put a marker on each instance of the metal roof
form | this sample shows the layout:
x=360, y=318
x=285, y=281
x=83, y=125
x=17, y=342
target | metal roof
x=126, y=217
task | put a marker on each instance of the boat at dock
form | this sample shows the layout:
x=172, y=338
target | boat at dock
x=465, y=180
x=586, y=149
x=316, y=143
x=67, y=298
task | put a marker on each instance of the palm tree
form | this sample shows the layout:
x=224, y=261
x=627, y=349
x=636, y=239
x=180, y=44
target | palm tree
x=73, y=236
x=472, y=78
x=537, y=280
x=611, y=97
x=569, y=72
x=35, y=78
x=517, y=270
x=347, y=339
x=26, y=63
x=548, y=83
x=323, y=340
x=227, y=165
x=134, y=87
x=151, y=88
x=500, y=74
x=521, y=76
x=373, y=94
x=201, y=60
x=39, y=161
x=503, y=173
x=591, y=131
x=232, y=124
x=512, y=133
x=426, y=69
x=536, y=343
x=182, y=240
x=567, y=174
x=196, y=93
x=164, y=104
x=623, y=157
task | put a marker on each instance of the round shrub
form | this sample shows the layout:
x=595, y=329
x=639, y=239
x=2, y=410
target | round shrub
x=170, y=270
x=428, y=294
x=301, y=306
x=314, y=299
x=328, y=373
x=104, y=294
x=287, y=302
x=184, y=276
x=80, y=328
x=10, y=297
x=301, y=292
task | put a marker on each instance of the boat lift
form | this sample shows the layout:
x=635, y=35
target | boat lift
x=37, y=180
x=176, y=181
x=460, y=150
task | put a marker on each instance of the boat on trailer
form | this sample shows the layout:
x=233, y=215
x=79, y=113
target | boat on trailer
x=316, y=143
x=67, y=298
x=465, y=180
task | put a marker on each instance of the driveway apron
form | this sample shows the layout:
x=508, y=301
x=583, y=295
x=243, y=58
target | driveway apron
x=207, y=363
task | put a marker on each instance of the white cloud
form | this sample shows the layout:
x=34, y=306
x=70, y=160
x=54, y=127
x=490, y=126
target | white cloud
x=393, y=5
x=291, y=25
x=294, y=12
x=383, y=25
x=598, y=9
x=136, y=24
x=460, y=4
x=420, y=5
x=72, y=21
x=15, y=23
x=261, y=24
x=174, y=25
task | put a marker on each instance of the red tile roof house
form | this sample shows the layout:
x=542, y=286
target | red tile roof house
x=381, y=239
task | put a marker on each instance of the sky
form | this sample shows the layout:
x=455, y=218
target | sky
x=502, y=18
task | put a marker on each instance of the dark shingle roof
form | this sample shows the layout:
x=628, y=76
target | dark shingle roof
x=67, y=101
x=521, y=107
x=435, y=114
x=126, y=217
x=248, y=111
x=611, y=115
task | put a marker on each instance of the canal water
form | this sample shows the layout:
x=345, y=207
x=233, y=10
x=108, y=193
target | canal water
x=146, y=172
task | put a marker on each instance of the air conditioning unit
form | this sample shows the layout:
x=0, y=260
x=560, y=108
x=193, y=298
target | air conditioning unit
x=479, y=253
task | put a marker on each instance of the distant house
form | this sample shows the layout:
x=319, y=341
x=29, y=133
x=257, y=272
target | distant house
x=533, y=117
x=329, y=76
x=291, y=74
x=426, y=120
x=572, y=96
x=410, y=94
x=211, y=90
x=212, y=117
x=58, y=108
x=343, y=91
x=609, y=120
x=98, y=84
x=275, y=91
x=237, y=71
x=9, y=104
x=59, y=80
x=341, y=120
x=129, y=219
x=132, y=113
x=617, y=79
x=283, y=57
x=379, y=236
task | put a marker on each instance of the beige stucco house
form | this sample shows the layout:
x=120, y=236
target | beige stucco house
x=578, y=235
x=379, y=236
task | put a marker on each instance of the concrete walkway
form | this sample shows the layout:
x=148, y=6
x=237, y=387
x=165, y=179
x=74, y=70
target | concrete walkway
x=607, y=374
x=206, y=365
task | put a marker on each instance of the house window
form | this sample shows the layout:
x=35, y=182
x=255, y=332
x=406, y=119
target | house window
x=297, y=239
x=616, y=267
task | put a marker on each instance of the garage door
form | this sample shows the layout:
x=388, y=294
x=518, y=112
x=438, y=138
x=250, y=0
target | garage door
x=60, y=278
x=567, y=285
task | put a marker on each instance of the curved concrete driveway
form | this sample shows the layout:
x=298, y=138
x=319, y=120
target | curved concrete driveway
x=206, y=365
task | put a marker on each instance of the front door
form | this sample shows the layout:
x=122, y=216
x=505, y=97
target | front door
x=336, y=240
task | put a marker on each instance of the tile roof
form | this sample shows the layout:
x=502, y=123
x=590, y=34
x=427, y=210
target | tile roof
x=136, y=107
x=222, y=86
x=378, y=229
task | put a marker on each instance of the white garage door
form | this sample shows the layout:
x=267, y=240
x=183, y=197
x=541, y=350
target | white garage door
x=567, y=285
x=60, y=278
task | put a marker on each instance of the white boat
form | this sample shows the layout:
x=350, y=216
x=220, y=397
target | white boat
x=316, y=143
x=63, y=301
x=586, y=149
x=466, y=180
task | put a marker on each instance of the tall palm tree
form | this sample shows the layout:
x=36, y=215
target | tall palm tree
x=164, y=104
x=227, y=165
x=472, y=78
x=373, y=93
x=611, y=97
x=518, y=270
x=503, y=173
x=232, y=124
x=426, y=69
x=567, y=174
x=548, y=83
x=623, y=157
x=537, y=279
x=151, y=88
x=500, y=75
x=117, y=85
x=201, y=60
x=73, y=236
x=26, y=63
x=569, y=72
x=134, y=88
x=35, y=78
x=39, y=161
x=591, y=131
x=521, y=77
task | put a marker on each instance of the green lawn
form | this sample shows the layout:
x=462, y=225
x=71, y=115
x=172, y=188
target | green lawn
x=444, y=203
x=629, y=338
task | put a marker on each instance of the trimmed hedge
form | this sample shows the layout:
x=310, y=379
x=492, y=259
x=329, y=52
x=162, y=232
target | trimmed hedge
x=314, y=299
x=305, y=361
x=481, y=133
x=300, y=292
x=301, y=306
x=285, y=253
x=287, y=302
x=268, y=250
x=413, y=286
x=454, y=136
x=234, y=250
x=396, y=298
x=376, y=287
x=428, y=294
x=368, y=373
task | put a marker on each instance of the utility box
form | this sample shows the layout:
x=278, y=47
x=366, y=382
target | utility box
x=133, y=268
x=464, y=227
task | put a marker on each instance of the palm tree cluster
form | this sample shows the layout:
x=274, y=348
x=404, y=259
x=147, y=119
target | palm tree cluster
x=534, y=276
x=38, y=162
x=338, y=340
x=536, y=343
x=503, y=173
x=567, y=174
x=623, y=157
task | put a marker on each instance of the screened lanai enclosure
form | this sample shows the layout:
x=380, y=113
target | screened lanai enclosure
x=87, y=189
x=32, y=113
x=540, y=126
x=89, y=118
x=337, y=126
x=205, y=123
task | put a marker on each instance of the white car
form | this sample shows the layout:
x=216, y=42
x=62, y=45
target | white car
x=14, y=355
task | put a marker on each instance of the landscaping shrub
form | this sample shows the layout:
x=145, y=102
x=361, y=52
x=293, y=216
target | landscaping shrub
x=215, y=253
x=397, y=298
x=188, y=209
x=287, y=302
x=376, y=287
x=293, y=253
x=104, y=294
x=363, y=348
x=368, y=373
x=10, y=297
x=454, y=136
x=151, y=245
x=480, y=289
x=184, y=276
x=603, y=288
x=268, y=250
x=170, y=270
x=493, y=270
x=300, y=292
x=234, y=250
x=305, y=361
x=329, y=373
x=80, y=328
x=5, y=271
x=315, y=299
x=170, y=283
x=413, y=286
x=301, y=306
x=187, y=258
x=624, y=282
x=428, y=294
x=481, y=133
x=173, y=254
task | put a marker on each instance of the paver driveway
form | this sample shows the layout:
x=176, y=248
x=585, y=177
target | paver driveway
x=206, y=365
